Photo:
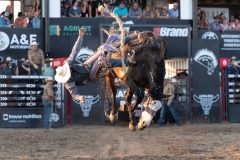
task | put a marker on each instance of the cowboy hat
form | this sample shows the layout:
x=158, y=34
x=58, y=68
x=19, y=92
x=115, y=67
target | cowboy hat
x=8, y=59
x=63, y=73
x=34, y=43
x=233, y=58
x=49, y=79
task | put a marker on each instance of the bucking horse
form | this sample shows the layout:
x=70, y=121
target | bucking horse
x=146, y=75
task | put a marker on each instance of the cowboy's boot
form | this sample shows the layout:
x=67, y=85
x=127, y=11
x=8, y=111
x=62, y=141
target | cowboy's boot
x=73, y=90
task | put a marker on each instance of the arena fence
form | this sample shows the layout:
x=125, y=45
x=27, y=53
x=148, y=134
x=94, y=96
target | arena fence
x=21, y=102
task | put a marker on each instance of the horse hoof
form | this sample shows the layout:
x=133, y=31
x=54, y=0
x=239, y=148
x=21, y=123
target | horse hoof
x=131, y=127
x=113, y=118
x=141, y=125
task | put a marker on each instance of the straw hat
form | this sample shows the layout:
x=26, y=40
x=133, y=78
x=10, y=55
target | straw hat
x=63, y=73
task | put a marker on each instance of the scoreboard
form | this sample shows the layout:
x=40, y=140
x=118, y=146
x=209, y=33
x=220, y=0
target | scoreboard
x=21, y=102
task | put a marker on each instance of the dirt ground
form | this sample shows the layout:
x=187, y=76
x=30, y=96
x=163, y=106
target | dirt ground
x=189, y=141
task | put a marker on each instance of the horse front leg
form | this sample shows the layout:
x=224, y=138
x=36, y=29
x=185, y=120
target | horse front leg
x=156, y=94
x=112, y=95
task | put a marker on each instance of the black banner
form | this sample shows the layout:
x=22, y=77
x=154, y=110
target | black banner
x=205, y=81
x=16, y=42
x=229, y=41
x=28, y=118
x=64, y=32
x=90, y=112
x=21, y=100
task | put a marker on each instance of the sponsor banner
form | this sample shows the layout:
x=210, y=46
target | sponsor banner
x=27, y=118
x=16, y=42
x=206, y=90
x=229, y=41
x=58, y=62
x=120, y=99
x=21, y=102
x=223, y=62
x=233, y=97
x=90, y=112
x=64, y=32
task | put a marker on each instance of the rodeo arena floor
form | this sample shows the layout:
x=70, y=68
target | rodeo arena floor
x=189, y=141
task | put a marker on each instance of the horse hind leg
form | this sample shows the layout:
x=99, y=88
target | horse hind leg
x=128, y=99
x=113, y=117
x=132, y=107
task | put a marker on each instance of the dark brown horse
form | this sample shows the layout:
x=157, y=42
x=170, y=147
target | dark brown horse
x=147, y=73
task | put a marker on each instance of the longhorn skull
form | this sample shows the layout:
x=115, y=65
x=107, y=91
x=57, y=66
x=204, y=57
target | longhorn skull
x=206, y=102
x=87, y=105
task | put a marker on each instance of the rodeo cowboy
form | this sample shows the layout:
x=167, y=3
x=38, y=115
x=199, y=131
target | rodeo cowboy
x=72, y=72
x=102, y=60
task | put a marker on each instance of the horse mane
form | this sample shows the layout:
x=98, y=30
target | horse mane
x=155, y=42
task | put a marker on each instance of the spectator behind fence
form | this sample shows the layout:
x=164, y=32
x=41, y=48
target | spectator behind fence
x=236, y=25
x=36, y=21
x=215, y=25
x=12, y=65
x=231, y=21
x=10, y=11
x=47, y=100
x=48, y=69
x=147, y=12
x=94, y=7
x=75, y=10
x=163, y=13
x=4, y=69
x=233, y=67
x=23, y=67
x=204, y=23
x=174, y=13
x=225, y=25
x=135, y=11
x=4, y=20
x=36, y=59
x=121, y=10
x=65, y=9
x=30, y=12
x=85, y=9
x=104, y=13
x=21, y=22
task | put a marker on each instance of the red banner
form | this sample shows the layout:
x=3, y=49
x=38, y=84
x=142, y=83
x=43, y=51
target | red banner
x=223, y=62
x=58, y=62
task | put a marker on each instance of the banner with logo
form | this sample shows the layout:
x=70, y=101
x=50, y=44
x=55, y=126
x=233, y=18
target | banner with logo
x=120, y=102
x=90, y=112
x=16, y=42
x=64, y=32
x=21, y=97
x=205, y=81
x=229, y=41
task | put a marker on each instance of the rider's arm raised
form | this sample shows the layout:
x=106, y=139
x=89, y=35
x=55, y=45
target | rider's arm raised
x=77, y=46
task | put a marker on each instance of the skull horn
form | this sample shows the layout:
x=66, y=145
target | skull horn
x=196, y=98
x=215, y=99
